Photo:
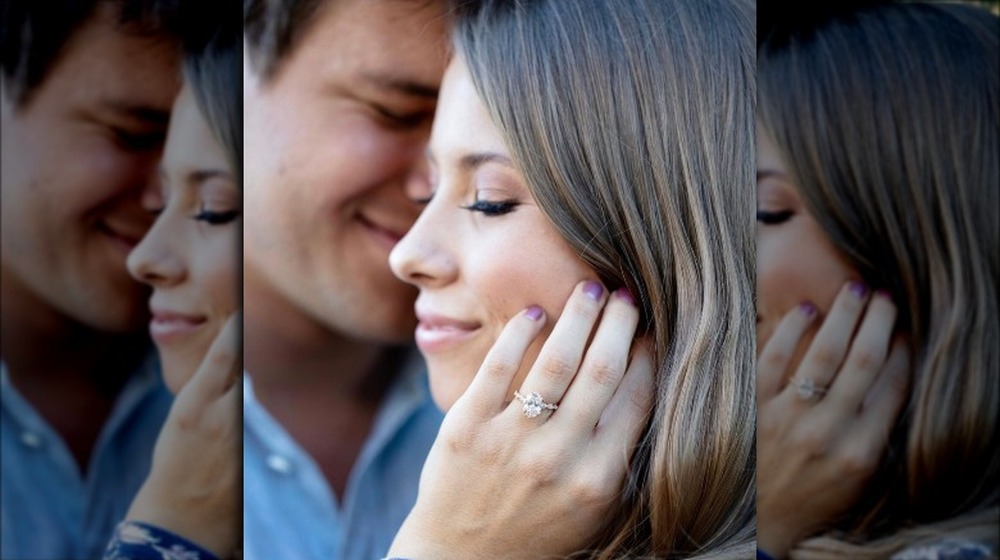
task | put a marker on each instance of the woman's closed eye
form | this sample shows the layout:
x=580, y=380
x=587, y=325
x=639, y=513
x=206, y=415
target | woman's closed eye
x=216, y=217
x=770, y=218
x=492, y=208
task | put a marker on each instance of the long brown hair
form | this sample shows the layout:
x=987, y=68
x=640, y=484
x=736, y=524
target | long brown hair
x=632, y=122
x=888, y=118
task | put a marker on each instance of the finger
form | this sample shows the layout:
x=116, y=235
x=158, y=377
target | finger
x=219, y=368
x=622, y=423
x=226, y=416
x=890, y=392
x=866, y=357
x=774, y=358
x=827, y=351
x=603, y=366
x=487, y=394
x=562, y=353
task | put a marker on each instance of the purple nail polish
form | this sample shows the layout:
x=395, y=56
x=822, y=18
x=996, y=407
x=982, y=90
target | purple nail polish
x=625, y=296
x=807, y=309
x=884, y=293
x=534, y=312
x=594, y=290
x=858, y=289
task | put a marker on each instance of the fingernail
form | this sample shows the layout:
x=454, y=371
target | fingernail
x=594, y=290
x=858, y=289
x=807, y=309
x=626, y=296
x=534, y=312
x=884, y=293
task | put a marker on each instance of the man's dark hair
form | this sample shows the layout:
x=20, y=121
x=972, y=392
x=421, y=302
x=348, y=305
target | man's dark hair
x=33, y=33
x=273, y=28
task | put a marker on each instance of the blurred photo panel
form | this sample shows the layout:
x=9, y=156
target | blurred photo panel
x=121, y=184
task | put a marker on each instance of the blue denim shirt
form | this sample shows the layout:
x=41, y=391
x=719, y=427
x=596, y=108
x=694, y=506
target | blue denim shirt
x=48, y=509
x=289, y=510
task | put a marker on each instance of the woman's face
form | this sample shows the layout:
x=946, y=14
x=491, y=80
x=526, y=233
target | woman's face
x=189, y=256
x=796, y=262
x=482, y=251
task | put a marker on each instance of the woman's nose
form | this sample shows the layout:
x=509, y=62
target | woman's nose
x=153, y=261
x=424, y=257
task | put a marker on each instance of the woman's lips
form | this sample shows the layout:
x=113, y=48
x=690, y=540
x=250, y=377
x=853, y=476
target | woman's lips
x=167, y=327
x=436, y=333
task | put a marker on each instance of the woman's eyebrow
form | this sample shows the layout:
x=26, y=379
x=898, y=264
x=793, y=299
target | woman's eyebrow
x=472, y=161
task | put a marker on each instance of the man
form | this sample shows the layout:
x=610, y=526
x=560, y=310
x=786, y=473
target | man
x=339, y=97
x=87, y=89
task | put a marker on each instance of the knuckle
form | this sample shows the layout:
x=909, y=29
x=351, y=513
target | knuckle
x=858, y=462
x=812, y=442
x=187, y=420
x=591, y=492
x=458, y=442
x=222, y=358
x=867, y=360
x=456, y=435
x=774, y=359
x=542, y=470
x=581, y=306
x=769, y=426
x=826, y=356
x=557, y=367
x=604, y=373
x=496, y=368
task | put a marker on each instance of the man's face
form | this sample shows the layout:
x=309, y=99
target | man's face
x=333, y=144
x=75, y=160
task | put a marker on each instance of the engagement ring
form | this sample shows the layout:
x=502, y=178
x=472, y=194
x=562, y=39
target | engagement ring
x=533, y=405
x=807, y=390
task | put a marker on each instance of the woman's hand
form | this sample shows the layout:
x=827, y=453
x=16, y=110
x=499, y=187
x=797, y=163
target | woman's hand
x=193, y=488
x=498, y=484
x=815, y=454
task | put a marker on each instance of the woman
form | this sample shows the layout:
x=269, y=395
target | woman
x=189, y=258
x=879, y=127
x=578, y=142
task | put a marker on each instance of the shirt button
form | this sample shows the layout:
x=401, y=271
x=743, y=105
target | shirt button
x=31, y=439
x=279, y=464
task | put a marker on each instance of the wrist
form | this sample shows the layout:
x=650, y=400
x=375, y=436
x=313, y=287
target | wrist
x=203, y=531
x=135, y=540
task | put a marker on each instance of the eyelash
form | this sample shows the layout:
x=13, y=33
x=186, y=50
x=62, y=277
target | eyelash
x=216, y=218
x=773, y=218
x=492, y=209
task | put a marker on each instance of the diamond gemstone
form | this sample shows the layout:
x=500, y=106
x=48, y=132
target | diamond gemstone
x=532, y=406
x=807, y=389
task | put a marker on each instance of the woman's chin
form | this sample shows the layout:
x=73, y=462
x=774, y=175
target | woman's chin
x=177, y=371
x=446, y=387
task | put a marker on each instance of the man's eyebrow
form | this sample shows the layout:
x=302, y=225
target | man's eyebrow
x=206, y=174
x=769, y=173
x=141, y=112
x=402, y=85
